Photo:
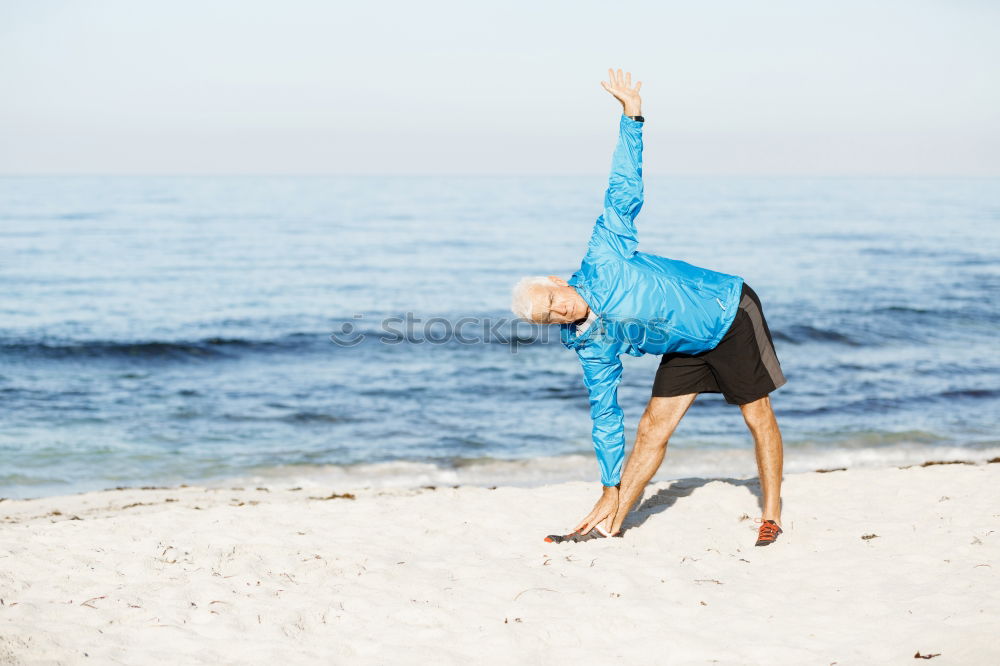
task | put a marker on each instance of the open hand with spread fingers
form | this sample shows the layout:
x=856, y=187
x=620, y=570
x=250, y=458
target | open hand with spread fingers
x=620, y=86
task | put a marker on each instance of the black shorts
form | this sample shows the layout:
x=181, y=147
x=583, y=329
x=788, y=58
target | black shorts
x=743, y=366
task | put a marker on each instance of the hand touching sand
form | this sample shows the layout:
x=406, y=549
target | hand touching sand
x=604, y=510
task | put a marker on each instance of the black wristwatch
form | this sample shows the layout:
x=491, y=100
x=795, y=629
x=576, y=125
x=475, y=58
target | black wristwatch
x=638, y=119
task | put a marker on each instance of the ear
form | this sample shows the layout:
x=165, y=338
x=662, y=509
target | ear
x=558, y=280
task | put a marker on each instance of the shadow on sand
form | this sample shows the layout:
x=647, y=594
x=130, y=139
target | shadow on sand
x=665, y=498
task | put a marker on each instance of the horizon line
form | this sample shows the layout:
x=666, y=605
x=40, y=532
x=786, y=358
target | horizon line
x=417, y=174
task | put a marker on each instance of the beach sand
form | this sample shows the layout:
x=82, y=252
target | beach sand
x=874, y=566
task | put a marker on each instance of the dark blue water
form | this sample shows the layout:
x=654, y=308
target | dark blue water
x=172, y=329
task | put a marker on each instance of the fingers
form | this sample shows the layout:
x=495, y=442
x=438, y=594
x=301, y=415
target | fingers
x=593, y=520
x=615, y=78
x=620, y=80
x=587, y=523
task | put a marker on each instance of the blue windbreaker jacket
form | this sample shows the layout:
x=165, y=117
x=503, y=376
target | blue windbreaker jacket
x=644, y=304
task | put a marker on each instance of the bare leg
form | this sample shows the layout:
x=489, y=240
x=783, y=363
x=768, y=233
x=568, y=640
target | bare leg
x=767, y=444
x=655, y=428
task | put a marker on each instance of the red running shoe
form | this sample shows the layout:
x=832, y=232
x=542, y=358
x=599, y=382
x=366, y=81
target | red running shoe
x=768, y=533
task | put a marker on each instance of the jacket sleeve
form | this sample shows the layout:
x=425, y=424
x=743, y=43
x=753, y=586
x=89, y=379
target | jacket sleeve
x=615, y=229
x=602, y=371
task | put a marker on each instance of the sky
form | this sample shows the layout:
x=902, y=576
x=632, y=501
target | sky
x=730, y=87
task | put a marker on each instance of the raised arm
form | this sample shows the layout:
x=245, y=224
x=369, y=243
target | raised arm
x=615, y=228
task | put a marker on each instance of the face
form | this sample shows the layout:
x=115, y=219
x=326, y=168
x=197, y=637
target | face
x=557, y=304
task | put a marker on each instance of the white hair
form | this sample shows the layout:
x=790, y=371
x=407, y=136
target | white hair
x=520, y=303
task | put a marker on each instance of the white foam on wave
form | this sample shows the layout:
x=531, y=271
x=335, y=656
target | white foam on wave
x=680, y=463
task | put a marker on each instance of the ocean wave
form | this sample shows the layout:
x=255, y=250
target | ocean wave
x=680, y=463
x=882, y=404
x=218, y=347
x=802, y=334
x=874, y=328
x=864, y=451
x=889, y=324
x=300, y=417
x=206, y=348
x=970, y=393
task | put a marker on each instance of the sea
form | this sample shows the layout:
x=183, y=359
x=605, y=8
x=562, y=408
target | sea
x=355, y=332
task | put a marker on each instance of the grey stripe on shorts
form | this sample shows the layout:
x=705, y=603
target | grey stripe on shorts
x=767, y=355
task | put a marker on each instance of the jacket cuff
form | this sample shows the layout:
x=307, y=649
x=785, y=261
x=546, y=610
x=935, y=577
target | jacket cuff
x=629, y=123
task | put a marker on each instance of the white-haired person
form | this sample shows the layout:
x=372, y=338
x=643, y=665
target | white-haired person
x=708, y=327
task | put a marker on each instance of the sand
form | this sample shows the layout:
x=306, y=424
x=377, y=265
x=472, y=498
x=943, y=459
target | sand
x=874, y=567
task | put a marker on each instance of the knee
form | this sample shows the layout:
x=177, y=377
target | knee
x=649, y=419
x=758, y=414
x=653, y=429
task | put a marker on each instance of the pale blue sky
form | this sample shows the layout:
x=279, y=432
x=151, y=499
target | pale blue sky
x=297, y=86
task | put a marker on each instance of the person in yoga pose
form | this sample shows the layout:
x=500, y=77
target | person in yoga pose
x=708, y=327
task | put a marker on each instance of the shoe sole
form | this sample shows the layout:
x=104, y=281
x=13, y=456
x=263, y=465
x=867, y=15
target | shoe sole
x=575, y=538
